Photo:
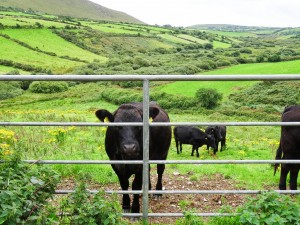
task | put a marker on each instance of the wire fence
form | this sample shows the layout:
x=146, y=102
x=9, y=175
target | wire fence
x=146, y=125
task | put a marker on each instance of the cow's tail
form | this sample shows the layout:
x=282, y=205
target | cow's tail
x=277, y=157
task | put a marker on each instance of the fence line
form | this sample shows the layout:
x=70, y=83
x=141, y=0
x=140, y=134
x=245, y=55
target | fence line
x=156, y=124
x=146, y=78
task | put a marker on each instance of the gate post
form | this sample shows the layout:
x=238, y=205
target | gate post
x=145, y=150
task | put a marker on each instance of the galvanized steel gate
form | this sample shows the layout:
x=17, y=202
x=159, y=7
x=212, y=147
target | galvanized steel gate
x=146, y=79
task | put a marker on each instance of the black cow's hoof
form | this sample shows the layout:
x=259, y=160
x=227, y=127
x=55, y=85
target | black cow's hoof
x=134, y=219
x=126, y=210
x=157, y=197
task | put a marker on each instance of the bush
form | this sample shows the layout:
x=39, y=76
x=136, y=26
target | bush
x=274, y=58
x=208, y=97
x=270, y=208
x=9, y=90
x=48, y=87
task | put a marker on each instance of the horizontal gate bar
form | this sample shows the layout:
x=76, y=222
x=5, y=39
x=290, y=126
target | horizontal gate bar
x=232, y=192
x=151, y=124
x=238, y=77
x=177, y=214
x=161, y=161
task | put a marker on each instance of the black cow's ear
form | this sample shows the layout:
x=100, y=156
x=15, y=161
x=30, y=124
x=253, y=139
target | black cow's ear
x=153, y=112
x=103, y=113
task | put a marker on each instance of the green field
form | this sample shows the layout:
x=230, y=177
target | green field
x=291, y=67
x=57, y=65
x=7, y=69
x=46, y=40
x=189, y=88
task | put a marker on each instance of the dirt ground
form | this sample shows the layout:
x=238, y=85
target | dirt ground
x=202, y=203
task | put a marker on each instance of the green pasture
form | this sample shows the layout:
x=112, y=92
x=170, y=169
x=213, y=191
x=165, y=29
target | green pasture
x=174, y=39
x=46, y=40
x=28, y=21
x=192, y=39
x=20, y=54
x=189, y=88
x=289, y=67
x=219, y=44
x=112, y=28
x=11, y=21
x=125, y=28
x=231, y=34
x=7, y=69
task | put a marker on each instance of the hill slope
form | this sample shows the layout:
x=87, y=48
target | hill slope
x=74, y=8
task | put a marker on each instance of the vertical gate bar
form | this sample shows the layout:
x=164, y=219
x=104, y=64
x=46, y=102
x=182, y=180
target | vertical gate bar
x=145, y=150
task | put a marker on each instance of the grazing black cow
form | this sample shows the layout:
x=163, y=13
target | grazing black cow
x=219, y=132
x=126, y=143
x=289, y=147
x=192, y=136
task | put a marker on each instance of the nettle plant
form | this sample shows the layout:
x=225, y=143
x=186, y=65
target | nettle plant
x=270, y=208
x=25, y=190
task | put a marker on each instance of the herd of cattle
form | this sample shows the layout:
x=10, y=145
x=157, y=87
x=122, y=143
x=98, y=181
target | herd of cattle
x=126, y=143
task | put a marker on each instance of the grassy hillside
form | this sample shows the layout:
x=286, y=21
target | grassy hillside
x=36, y=59
x=46, y=40
x=73, y=8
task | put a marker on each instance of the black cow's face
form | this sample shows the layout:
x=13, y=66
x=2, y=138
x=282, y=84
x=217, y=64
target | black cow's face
x=128, y=139
x=218, y=133
x=211, y=141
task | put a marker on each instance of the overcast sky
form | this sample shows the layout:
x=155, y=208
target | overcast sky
x=275, y=13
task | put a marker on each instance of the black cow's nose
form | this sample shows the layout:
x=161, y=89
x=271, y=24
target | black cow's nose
x=129, y=147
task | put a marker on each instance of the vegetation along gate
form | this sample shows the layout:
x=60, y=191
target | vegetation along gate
x=146, y=78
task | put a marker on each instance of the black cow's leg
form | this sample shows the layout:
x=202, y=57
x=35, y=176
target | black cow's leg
x=160, y=171
x=126, y=199
x=217, y=146
x=222, y=145
x=193, y=149
x=180, y=147
x=149, y=179
x=197, y=152
x=293, y=178
x=176, y=142
x=136, y=185
x=283, y=175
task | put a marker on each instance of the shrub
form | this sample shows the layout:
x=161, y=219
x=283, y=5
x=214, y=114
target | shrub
x=48, y=87
x=9, y=90
x=130, y=84
x=208, y=97
x=141, y=62
x=274, y=58
x=270, y=208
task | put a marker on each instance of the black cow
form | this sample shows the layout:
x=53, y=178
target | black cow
x=193, y=136
x=126, y=143
x=289, y=147
x=219, y=132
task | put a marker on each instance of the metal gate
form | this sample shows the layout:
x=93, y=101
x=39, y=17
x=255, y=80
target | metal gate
x=146, y=162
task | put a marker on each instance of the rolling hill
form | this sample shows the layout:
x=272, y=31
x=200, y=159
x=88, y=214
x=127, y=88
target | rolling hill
x=73, y=8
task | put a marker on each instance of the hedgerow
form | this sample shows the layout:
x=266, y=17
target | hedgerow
x=48, y=87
